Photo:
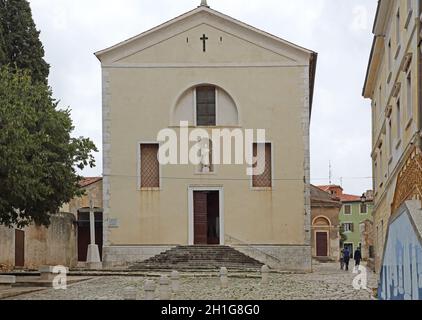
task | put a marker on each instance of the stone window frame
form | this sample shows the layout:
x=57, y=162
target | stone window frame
x=139, y=169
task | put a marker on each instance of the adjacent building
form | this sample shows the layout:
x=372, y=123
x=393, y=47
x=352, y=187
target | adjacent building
x=393, y=83
x=64, y=242
x=206, y=70
x=325, y=225
x=355, y=210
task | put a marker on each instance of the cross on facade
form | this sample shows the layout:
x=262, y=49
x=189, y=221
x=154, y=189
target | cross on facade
x=204, y=40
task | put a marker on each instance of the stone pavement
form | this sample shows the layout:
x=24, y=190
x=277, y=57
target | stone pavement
x=327, y=282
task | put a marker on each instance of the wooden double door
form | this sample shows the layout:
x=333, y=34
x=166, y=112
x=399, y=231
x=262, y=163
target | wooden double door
x=206, y=206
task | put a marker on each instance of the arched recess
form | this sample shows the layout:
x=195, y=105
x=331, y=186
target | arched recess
x=321, y=221
x=226, y=110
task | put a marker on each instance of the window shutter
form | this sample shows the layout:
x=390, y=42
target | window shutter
x=264, y=180
x=150, y=167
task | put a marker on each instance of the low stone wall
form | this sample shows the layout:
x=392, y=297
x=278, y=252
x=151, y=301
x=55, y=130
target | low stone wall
x=55, y=245
x=122, y=256
x=7, y=248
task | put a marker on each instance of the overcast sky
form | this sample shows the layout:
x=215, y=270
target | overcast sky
x=339, y=30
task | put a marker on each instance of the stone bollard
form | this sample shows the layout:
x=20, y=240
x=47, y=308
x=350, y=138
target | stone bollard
x=164, y=288
x=129, y=294
x=224, y=278
x=175, y=281
x=149, y=289
x=265, y=271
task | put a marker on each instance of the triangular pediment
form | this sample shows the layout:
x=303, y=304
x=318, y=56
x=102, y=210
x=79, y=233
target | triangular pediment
x=229, y=40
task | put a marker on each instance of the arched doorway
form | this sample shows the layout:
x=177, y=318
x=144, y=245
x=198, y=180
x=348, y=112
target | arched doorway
x=321, y=226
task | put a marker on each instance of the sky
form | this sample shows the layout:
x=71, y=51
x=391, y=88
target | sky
x=339, y=30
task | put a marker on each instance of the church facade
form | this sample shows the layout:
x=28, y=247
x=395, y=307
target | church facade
x=205, y=70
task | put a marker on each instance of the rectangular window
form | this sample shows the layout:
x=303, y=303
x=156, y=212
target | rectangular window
x=363, y=208
x=262, y=179
x=205, y=106
x=150, y=167
x=409, y=96
x=390, y=63
x=390, y=137
x=348, y=227
x=381, y=177
x=398, y=31
x=375, y=176
x=398, y=115
x=347, y=209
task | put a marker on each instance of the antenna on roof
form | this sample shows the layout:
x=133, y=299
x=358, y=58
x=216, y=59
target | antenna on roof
x=204, y=3
x=330, y=173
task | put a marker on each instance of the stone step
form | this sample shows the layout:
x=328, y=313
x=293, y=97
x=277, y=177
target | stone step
x=197, y=257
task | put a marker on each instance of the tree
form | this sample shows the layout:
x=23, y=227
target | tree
x=38, y=156
x=3, y=60
x=22, y=46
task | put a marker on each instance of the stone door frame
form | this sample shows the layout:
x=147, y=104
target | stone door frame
x=191, y=231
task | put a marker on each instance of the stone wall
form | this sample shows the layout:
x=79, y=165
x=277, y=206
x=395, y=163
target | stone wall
x=55, y=245
x=7, y=247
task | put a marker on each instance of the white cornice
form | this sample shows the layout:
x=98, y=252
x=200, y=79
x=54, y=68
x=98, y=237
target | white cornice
x=190, y=20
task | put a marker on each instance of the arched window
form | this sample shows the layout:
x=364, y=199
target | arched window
x=205, y=106
x=321, y=221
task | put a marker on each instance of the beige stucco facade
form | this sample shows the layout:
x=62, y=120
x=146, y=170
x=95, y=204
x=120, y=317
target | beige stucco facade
x=393, y=83
x=264, y=83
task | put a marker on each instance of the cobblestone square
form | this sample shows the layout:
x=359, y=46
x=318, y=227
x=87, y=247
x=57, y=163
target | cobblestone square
x=327, y=282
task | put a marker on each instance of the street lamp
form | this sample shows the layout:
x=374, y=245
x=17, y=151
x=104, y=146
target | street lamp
x=363, y=198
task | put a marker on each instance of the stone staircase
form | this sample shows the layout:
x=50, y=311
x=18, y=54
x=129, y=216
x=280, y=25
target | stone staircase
x=199, y=258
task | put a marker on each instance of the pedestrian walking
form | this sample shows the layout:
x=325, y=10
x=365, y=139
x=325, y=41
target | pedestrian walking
x=358, y=257
x=346, y=258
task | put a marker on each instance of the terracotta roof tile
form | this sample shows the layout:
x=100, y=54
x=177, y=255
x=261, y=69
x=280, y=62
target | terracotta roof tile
x=85, y=182
x=349, y=198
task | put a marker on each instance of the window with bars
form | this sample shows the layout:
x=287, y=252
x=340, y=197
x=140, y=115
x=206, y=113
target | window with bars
x=150, y=167
x=263, y=180
x=205, y=106
x=363, y=208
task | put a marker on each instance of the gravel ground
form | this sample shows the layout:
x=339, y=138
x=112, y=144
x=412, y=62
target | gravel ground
x=327, y=282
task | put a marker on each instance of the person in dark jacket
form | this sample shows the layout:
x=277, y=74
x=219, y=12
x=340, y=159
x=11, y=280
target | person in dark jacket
x=346, y=258
x=358, y=257
x=342, y=259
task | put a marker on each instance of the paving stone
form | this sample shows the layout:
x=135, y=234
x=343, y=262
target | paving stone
x=327, y=282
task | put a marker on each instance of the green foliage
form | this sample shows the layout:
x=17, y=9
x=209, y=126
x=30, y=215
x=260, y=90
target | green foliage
x=343, y=236
x=21, y=44
x=38, y=156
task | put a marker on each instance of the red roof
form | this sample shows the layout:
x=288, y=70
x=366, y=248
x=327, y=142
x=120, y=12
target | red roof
x=349, y=198
x=342, y=196
x=85, y=182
